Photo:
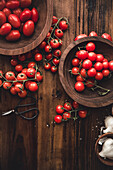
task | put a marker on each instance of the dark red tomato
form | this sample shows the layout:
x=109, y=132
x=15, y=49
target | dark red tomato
x=51, y=28
x=22, y=57
x=75, y=70
x=1, y=73
x=55, y=19
x=29, y=55
x=56, y=61
x=5, y=29
x=13, y=4
x=99, y=76
x=100, y=58
x=57, y=53
x=98, y=66
x=33, y=86
x=66, y=116
x=67, y=106
x=19, y=87
x=47, y=36
x=49, y=56
x=58, y=33
x=79, y=86
x=105, y=59
x=58, y=119
x=76, y=55
x=6, y=85
x=31, y=72
x=14, y=20
x=91, y=72
x=75, y=105
x=0, y=83
x=25, y=3
x=111, y=65
x=83, y=72
x=82, y=113
x=47, y=66
x=22, y=93
x=17, y=12
x=54, y=43
x=24, y=71
x=80, y=36
x=21, y=27
x=38, y=57
x=82, y=54
x=34, y=15
x=10, y=75
x=39, y=76
x=105, y=65
x=28, y=28
x=48, y=48
x=7, y=12
x=105, y=72
x=25, y=15
x=31, y=65
x=93, y=33
x=63, y=25
x=107, y=36
x=75, y=62
x=27, y=83
x=87, y=64
x=54, y=69
x=2, y=4
x=13, y=91
x=92, y=56
x=60, y=42
x=59, y=109
x=42, y=45
x=14, y=35
x=2, y=18
x=90, y=47
x=21, y=77
x=89, y=83
x=79, y=78
x=18, y=68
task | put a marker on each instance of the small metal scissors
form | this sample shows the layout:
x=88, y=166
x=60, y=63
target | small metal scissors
x=19, y=105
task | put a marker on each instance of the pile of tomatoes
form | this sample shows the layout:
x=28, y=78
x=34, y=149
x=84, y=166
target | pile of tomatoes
x=16, y=19
x=69, y=111
x=88, y=67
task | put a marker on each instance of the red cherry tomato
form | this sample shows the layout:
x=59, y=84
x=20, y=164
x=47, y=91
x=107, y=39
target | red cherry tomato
x=66, y=115
x=31, y=64
x=55, y=19
x=7, y=12
x=14, y=20
x=38, y=57
x=34, y=15
x=54, y=69
x=59, y=109
x=111, y=65
x=98, y=66
x=93, y=33
x=83, y=72
x=13, y=4
x=100, y=58
x=105, y=64
x=27, y=83
x=25, y=3
x=24, y=71
x=80, y=36
x=57, y=53
x=17, y=12
x=79, y=78
x=21, y=77
x=60, y=42
x=25, y=15
x=2, y=18
x=54, y=43
x=47, y=36
x=18, y=68
x=19, y=87
x=99, y=76
x=6, y=85
x=79, y=86
x=51, y=28
x=58, y=118
x=48, y=48
x=14, y=62
x=107, y=36
x=87, y=64
x=56, y=61
x=75, y=105
x=28, y=28
x=22, y=57
x=0, y=83
x=31, y=72
x=67, y=106
x=10, y=75
x=33, y=86
x=91, y=72
x=2, y=4
x=105, y=72
x=28, y=55
x=75, y=62
x=75, y=70
x=58, y=33
x=63, y=25
x=92, y=56
x=82, y=54
x=42, y=45
x=13, y=91
x=49, y=56
x=14, y=35
x=22, y=93
x=39, y=76
x=1, y=73
x=5, y=29
x=90, y=47
x=47, y=66
x=89, y=83
x=82, y=113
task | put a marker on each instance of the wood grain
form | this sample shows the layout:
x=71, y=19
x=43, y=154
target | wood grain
x=69, y=146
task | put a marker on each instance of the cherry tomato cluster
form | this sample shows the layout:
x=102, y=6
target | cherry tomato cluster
x=52, y=43
x=69, y=111
x=89, y=67
x=16, y=19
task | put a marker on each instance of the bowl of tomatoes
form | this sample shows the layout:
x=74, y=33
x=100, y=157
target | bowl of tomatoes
x=85, y=71
x=23, y=24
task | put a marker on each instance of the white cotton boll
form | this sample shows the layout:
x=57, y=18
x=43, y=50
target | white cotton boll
x=108, y=124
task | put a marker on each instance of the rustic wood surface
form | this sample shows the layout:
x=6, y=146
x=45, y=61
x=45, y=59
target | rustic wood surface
x=39, y=145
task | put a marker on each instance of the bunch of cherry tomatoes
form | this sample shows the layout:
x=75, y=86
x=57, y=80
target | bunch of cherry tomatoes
x=69, y=111
x=16, y=19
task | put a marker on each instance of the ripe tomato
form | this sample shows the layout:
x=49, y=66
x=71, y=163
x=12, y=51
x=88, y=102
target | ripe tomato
x=22, y=93
x=89, y=83
x=98, y=66
x=24, y=71
x=21, y=77
x=31, y=65
x=56, y=61
x=51, y=28
x=39, y=76
x=48, y=48
x=10, y=75
x=67, y=106
x=42, y=45
x=100, y=58
x=47, y=66
x=57, y=53
x=58, y=33
x=14, y=20
x=75, y=105
x=75, y=70
x=6, y=85
x=105, y=59
x=33, y=86
x=54, y=21
x=38, y=57
x=25, y=15
x=83, y=72
x=63, y=25
x=82, y=54
x=66, y=115
x=47, y=36
x=49, y=56
x=28, y=55
x=34, y=15
x=111, y=65
x=18, y=68
x=22, y=57
x=79, y=86
x=28, y=28
x=82, y=113
x=93, y=33
x=7, y=12
x=75, y=62
x=59, y=109
x=25, y=3
x=107, y=36
x=99, y=76
x=54, y=69
x=80, y=36
x=60, y=42
x=1, y=73
x=2, y=18
x=19, y=87
x=105, y=64
x=58, y=118
x=5, y=29
x=14, y=35
x=13, y=91
x=92, y=56
x=17, y=12
x=31, y=72
x=0, y=83
x=91, y=72
x=87, y=64
x=13, y=4
x=90, y=47
x=2, y=4
x=105, y=72
x=79, y=78
x=54, y=43
x=27, y=83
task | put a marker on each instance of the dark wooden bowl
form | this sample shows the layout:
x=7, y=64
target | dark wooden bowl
x=98, y=149
x=87, y=97
x=25, y=44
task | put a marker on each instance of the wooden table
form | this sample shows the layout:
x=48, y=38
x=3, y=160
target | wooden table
x=38, y=145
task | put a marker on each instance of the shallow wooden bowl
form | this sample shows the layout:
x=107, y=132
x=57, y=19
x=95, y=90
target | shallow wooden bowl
x=87, y=97
x=25, y=44
x=98, y=148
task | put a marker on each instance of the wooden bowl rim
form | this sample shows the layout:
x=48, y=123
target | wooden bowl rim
x=106, y=162
x=77, y=97
x=38, y=40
